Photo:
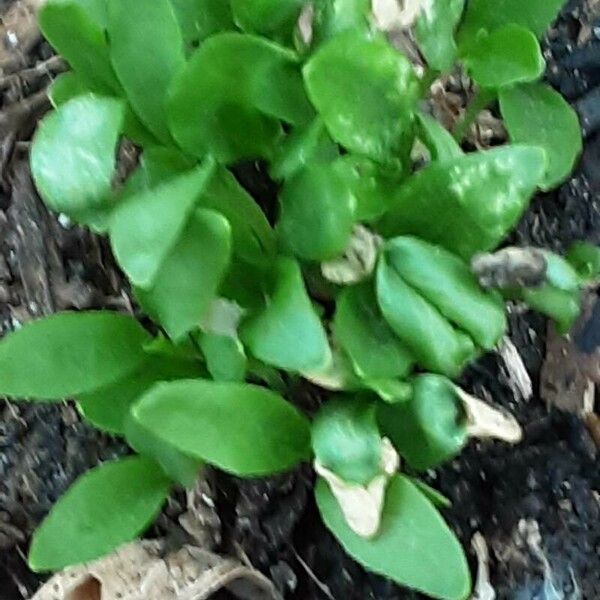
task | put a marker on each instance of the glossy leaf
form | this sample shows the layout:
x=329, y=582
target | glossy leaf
x=507, y=56
x=467, y=204
x=536, y=15
x=73, y=154
x=535, y=114
x=434, y=31
x=334, y=17
x=200, y=19
x=134, y=27
x=190, y=275
x=66, y=87
x=79, y=38
x=360, y=329
x=346, y=440
x=70, y=353
x=447, y=282
x=439, y=141
x=266, y=17
x=560, y=273
x=428, y=429
x=370, y=188
x=317, y=213
x=366, y=93
x=145, y=227
x=107, y=408
x=179, y=467
x=222, y=93
x=414, y=547
x=224, y=355
x=301, y=147
x=288, y=333
x=106, y=507
x=585, y=259
x=562, y=306
x=243, y=429
x=253, y=237
x=431, y=339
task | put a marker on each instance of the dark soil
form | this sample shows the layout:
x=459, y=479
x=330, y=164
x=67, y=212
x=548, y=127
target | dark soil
x=536, y=505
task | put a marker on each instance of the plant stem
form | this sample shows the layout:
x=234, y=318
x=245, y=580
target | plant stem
x=478, y=102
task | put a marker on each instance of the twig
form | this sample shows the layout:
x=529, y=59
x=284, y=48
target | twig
x=47, y=68
x=311, y=574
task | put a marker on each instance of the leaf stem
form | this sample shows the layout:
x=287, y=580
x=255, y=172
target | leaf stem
x=478, y=102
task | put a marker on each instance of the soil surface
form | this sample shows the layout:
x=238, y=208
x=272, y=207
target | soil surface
x=536, y=505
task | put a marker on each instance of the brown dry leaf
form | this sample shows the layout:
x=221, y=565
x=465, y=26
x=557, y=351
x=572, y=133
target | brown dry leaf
x=141, y=571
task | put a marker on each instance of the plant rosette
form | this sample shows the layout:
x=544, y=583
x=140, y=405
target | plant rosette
x=375, y=276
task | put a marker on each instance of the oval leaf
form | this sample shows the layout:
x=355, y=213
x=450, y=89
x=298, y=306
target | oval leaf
x=359, y=327
x=73, y=154
x=535, y=114
x=434, y=31
x=77, y=35
x=70, y=353
x=134, y=27
x=414, y=547
x=200, y=19
x=107, y=408
x=317, y=213
x=266, y=16
x=439, y=141
x=476, y=199
x=288, y=334
x=145, y=227
x=84, y=525
x=365, y=92
x=243, y=429
x=507, y=56
x=219, y=102
x=533, y=14
x=346, y=440
x=189, y=277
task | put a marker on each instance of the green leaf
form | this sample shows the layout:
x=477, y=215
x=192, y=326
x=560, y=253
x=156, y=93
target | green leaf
x=431, y=339
x=135, y=27
x=74, y=32
x=333, y=17
x=434, y=31
x=560, y=273
x=366, y=93
x=107, y=407
x=303, y=146
x=219, y=102
x=179, y=467
x=266, y=17
x=370, y=188
x=243, y=429
x=430, y=428
x=413, y=539
x=436, y=498
x=475, y=199
x=346, y=440
x=108, y=506
x=447, y=282
x=560, y=305
x=288, y=333
x=317, y=213
x=585, y=259
x=161, y=163
x=190, y=275
x=73, y=154
x=145, y=227
x=225, y=356
x=70, y=353
x=485, y=14
x=439, y=141
x=507, y=56
x=359, y=327
x=200, y=19
x=66, y=87
x=253, y=237
x=535, y=114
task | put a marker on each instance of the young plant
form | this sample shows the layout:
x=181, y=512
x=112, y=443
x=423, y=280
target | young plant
x=362, y=283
